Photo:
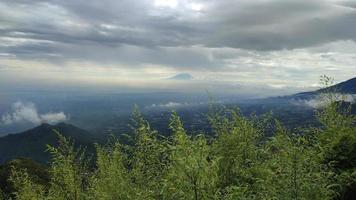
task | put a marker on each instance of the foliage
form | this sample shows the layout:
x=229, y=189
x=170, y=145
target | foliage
x=38, y=174
x=192, y=173
x=68, y=171
x=239, y=162
x=148, y=163
x=2, y=195
x=110, y=180
x=25, y=188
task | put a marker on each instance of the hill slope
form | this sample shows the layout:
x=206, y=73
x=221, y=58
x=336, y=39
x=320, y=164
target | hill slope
x=346, y=87
x=32, y=143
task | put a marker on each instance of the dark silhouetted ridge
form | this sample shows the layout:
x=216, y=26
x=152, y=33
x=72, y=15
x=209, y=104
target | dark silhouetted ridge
x=33, y=143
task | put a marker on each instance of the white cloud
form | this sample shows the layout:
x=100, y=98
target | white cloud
x=138, y=41
x=322, y=100
x=172, y=105
x=166, y=3
x=53, y=118
x=168, y=105
x=27, y=112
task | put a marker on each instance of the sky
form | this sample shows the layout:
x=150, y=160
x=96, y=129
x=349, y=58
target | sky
x=259, y=46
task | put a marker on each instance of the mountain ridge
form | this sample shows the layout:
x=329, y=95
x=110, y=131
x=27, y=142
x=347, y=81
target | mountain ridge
x=344, y=87
x=32, y=143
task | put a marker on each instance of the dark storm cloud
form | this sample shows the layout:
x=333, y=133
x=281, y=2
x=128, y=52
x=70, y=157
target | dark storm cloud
x=229, y=23
x=280, y=24
x=139, y=32
x=350, y=4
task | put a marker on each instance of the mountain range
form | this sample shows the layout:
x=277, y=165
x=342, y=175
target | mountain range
x=32, y=143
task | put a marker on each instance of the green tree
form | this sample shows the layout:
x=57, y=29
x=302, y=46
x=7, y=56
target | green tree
x=2, y=196
x=110, y=180
x=236, y=148
x=25, y=188
x=68, y=170
x=337, y=144
x=149, y=159
x=295, y=171
x=38, y=174
x=192, y=173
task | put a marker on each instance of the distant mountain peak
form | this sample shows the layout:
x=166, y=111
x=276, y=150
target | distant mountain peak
x=182, y=77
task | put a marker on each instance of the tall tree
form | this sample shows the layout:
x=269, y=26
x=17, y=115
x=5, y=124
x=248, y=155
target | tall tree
x=110, y=180
x=149, y=159
x=68, y=171
x=236, y=146
x=192, y=173
x=25, y=188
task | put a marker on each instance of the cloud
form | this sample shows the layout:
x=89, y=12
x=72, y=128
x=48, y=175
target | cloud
x=271, y=42
x=27, y=112
x=322, y=100
x=174, y=105
x=53, y=118
x=169, y=105
x=256, y=25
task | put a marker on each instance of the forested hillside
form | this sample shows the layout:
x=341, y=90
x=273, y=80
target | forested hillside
x=33, y=143
x=239, y=162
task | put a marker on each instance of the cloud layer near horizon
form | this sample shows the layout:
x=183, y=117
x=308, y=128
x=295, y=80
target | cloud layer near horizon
x=276, y=43
x=27, y=113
